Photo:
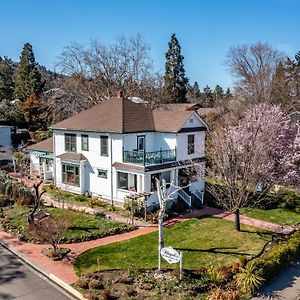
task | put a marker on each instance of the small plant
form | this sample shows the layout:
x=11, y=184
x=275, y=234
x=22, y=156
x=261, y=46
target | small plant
x=249, y=280
x=95, y=284
x=214, y=275
x=82, y=283
x=220, y=294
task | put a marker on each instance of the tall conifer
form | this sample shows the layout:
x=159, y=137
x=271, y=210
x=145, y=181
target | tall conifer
x=175, y=85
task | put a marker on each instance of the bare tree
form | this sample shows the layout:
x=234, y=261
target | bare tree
x=95, y=72
x=253, y=66
x=50, y=230
x=37, y=201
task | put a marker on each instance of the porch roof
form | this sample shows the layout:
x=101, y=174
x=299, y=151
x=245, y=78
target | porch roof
x=72, y=156
x=43, y=146
x=128, y=166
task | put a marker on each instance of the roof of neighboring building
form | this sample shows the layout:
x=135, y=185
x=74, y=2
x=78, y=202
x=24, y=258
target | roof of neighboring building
x=72, y=156
x=121, y=115
x=45, y=146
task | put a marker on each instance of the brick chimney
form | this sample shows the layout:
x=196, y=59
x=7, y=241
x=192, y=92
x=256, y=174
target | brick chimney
x=119, y=94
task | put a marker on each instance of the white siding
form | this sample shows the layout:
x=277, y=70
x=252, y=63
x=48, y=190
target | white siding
x=155, y=141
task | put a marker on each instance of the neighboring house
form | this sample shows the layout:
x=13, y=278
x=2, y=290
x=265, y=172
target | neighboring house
x=5, y=136
x=41, y=159
x=119, y=147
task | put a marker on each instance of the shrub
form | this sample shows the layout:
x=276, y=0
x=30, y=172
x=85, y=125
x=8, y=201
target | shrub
x=215, y=276
x=5, y=201
x=95, y=284
x=220, y=294
x=82, y=283
x=279, y=257
x=249, y=279
x=137, y=206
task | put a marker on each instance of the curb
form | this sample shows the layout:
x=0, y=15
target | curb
x=67, y=288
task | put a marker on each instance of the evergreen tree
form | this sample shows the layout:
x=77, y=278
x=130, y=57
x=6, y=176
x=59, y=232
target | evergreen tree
x=7, y=83
x=228, y=93
x=196, y=89
x=28, y=79
x=218, y=93
x=175, y=85
x=33, y=112
x=208, y=97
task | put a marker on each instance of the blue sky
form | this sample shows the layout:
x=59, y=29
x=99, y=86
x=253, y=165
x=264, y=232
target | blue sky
x=205, y=29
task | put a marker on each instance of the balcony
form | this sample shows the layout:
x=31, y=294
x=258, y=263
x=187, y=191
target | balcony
x=149, y=158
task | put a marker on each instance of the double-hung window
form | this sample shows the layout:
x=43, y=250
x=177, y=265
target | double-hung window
x=84, y=142
x=104, y=145
x=70, y=142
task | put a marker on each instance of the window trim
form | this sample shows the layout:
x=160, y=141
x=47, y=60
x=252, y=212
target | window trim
x=70, y=135
x=104, y=138
x=75, y=176
x=118, y=181
x=87, y=142
x=191, y=146
x=102, y=176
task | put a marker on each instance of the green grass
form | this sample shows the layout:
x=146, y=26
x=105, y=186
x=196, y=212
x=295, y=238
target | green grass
x=281, y=216
x=60, y=195
x=83, y=225
x=204, y=242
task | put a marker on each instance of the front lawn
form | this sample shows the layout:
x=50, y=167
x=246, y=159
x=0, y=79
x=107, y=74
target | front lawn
x=64, y=196
x=204, y=242
x=281, y=216
x=84, y=226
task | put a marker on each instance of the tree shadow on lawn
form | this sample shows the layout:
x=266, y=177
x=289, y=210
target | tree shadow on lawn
x=75, y=228
x=270, y=234
x=216, y=250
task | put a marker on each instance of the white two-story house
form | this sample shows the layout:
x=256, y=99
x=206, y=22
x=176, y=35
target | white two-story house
x=119, y=147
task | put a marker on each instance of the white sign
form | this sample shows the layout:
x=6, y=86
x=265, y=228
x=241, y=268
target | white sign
x=170, y=255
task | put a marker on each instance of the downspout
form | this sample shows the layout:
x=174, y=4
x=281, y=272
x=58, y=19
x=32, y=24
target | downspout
x=54, y=160
x=111, y=174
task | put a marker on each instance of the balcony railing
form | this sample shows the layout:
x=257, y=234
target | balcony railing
x=149, y=158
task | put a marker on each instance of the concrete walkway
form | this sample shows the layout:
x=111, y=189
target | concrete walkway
x=285, y=286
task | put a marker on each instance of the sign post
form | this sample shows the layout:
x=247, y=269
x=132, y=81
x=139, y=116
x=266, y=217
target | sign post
x=172, y=257
x=180, y=266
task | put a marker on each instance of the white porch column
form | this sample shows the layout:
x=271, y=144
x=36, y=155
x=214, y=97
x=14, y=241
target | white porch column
x=82, y=176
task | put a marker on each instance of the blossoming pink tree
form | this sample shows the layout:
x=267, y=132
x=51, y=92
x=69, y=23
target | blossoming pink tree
x=254, y=153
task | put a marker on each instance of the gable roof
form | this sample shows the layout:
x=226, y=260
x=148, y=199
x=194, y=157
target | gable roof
x=44, y=146
x=119, y=115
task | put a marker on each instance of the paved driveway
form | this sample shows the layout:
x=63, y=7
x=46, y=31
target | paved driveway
x=286, y=286
x=19, y=281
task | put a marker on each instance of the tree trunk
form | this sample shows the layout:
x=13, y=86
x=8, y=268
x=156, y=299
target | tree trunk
x=237, y=219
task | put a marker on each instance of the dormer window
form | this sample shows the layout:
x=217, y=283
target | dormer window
x=191, y=121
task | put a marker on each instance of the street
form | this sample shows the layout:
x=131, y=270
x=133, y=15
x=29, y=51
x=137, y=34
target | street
x=19, y=281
